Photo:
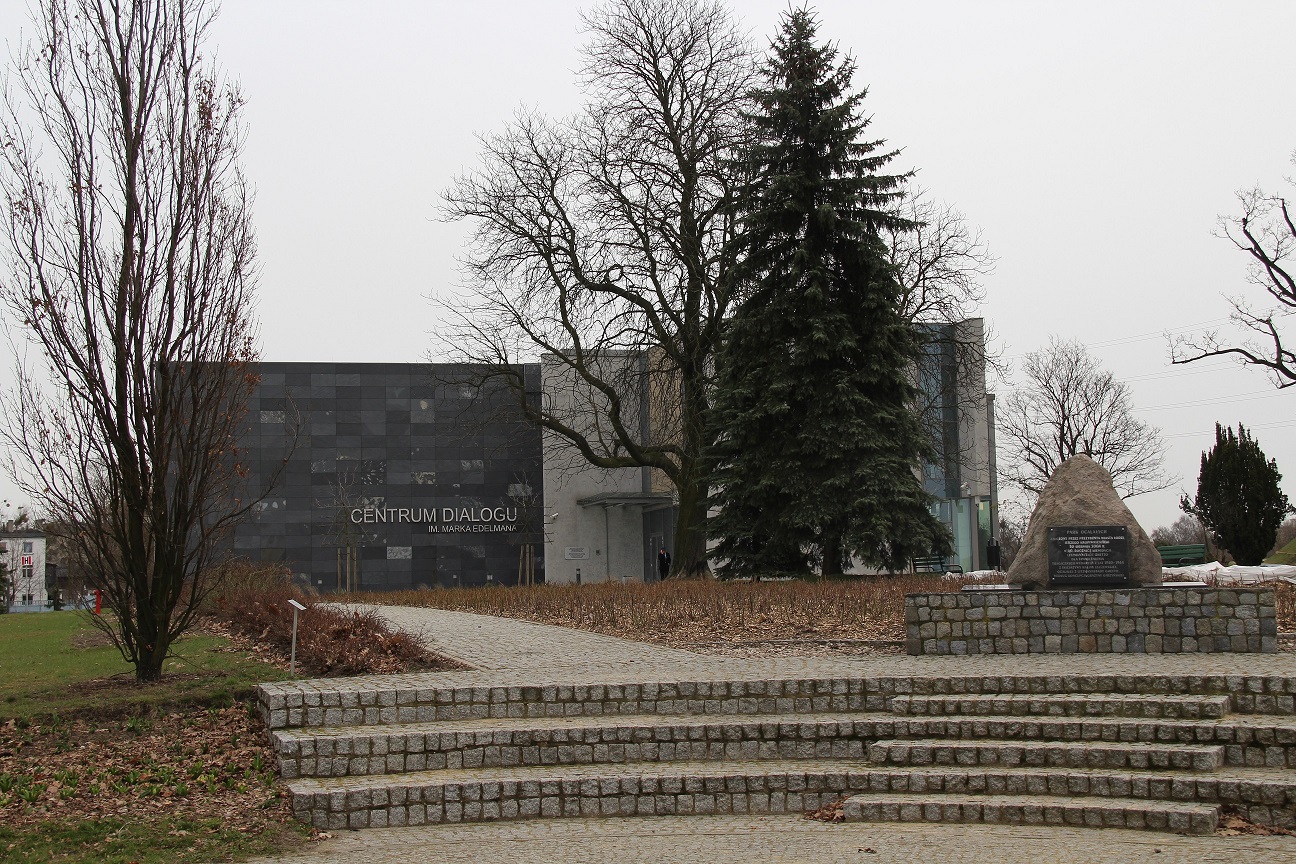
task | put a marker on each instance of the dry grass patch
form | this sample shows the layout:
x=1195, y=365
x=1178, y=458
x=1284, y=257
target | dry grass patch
x=693, y=613
x=738, y=618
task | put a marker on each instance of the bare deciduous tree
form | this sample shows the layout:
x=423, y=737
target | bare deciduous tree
x=1070, y=405
x=1185, y=531
x=131, y=260
x=603, y=242
x=1286, y=533
x=1266, y=233
x=939, y=264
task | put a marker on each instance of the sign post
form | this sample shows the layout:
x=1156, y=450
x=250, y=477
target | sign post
x=292, y=662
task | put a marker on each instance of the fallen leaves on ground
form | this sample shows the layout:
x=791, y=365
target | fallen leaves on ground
x=831, y=813
x=1234, y=824
x=202, y=763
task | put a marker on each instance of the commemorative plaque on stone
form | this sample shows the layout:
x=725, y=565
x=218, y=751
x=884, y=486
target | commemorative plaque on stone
x=1085, y=556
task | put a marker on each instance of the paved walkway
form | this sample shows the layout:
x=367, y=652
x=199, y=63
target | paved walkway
x=776, y=840
x=514, y=652
x=497, y=644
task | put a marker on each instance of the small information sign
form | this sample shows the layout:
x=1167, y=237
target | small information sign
x=576, y=553
x=1086, y=555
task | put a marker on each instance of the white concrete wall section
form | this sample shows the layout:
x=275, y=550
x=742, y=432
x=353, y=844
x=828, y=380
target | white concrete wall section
x=601, y=542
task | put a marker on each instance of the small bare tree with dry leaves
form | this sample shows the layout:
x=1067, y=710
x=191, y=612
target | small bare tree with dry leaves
x=131, y=267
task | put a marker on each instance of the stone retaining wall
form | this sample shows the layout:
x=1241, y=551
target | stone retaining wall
x=1112, y=621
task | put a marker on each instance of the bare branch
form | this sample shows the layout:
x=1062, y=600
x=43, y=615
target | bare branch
x=1266, y=234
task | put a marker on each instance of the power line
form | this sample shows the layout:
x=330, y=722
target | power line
x=1202, y=370
x=1157, y=335
x=1260, y=426
x=1245, y=397
x=1142, y=337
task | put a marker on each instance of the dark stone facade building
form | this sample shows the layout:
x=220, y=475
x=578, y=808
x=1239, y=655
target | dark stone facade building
x=387, y=476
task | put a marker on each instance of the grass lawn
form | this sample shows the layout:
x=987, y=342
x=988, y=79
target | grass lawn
x=57, y=663
x=163, y=840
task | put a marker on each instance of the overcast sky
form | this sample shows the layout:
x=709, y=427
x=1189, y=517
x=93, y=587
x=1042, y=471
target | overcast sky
x=1095, y=144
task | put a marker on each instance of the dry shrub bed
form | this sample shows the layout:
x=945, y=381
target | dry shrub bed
x=698, y=613
x=1286, y=607
x=211, y=766
x=252, y=608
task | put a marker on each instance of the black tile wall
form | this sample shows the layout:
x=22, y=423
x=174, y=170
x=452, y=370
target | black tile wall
x=341, y=436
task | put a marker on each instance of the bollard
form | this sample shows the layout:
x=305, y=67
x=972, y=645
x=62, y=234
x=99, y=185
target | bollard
x=292, y=661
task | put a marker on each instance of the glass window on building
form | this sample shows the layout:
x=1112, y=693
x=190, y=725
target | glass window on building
x=963, y=536
x=984, y=531
x=958, y=515
x=27, y=547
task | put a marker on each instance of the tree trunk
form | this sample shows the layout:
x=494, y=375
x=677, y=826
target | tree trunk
x=150, y=649
x=832, y=554
x=690, y=556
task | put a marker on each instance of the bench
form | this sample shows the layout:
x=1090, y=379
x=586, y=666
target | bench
x=1181, y=556
x=934, y=564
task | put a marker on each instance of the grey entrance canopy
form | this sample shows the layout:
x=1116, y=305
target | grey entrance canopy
x=648, y=501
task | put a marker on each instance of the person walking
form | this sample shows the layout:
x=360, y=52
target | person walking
x=663, y=562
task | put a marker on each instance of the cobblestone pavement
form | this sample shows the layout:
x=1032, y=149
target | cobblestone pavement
x=501, y=643
x=778, y=840
x=509, y=652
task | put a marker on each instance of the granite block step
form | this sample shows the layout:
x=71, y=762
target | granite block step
x=1066, y=705
x=425, y=697
x=746, y=787
x=667, y=788
x=1033, y=810
x=374, y=700
x=356, y=751
x=1254, y=740
x=1264, y=795
x=1050, y=754
x=343, y=751
x=360, y=750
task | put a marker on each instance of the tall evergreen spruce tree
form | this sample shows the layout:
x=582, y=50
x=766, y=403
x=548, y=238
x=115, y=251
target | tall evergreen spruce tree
x=817, y=439
x=1239, y=496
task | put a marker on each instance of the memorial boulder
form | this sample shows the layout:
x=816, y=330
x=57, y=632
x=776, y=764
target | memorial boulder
x=1094, y=537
